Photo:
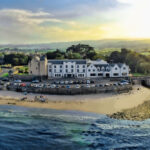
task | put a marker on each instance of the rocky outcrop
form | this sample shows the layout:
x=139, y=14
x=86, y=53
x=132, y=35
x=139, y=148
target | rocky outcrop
x=142, y=112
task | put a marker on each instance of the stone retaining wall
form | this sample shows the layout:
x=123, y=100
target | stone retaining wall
x=75, y=91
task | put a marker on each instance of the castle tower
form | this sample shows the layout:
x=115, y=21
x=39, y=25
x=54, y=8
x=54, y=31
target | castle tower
x=43, y=66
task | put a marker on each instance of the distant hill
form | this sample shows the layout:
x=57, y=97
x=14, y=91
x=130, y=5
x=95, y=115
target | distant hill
x=97, y=44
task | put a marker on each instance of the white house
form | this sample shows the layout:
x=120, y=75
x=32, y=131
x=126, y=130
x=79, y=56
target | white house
x=76, y=68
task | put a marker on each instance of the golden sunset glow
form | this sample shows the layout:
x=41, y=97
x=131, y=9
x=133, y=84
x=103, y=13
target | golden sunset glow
x=73, y=20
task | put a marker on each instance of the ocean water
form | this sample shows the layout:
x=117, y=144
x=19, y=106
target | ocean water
x=43, y=129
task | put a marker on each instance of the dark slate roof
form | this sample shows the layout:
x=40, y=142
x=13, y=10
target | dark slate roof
x=61, y=61
x=119, y=65
x=101, y=65
x=55, y=61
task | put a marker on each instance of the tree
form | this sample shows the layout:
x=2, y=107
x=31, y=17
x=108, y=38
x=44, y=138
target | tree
x=55, y=55
x=81, y=49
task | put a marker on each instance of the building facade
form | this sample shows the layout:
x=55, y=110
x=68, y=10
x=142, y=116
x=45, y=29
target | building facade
x=76, y=68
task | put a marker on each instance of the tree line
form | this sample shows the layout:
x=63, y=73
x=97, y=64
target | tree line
x=137, y=62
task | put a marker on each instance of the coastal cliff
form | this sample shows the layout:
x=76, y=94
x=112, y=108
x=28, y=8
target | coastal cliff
x=139, y=113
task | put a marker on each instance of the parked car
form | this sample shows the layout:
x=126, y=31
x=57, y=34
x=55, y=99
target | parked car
x=62, y=82
x=126, y=81
x=115, y=84
x=53, y=86
x=93, y=85
x=5, y=79
x=77, y=86
x=88, y=86
x=40, y=85
x=92, y=81
x=23, y=84
x=35, y=81
x=68, y=86
x=57, y=86
x=66, y=82
x=57, y=82
x=17, y=81
x=107, y=84
x=101, y=85
x=121, y=83
x=71, y=82
x=88, y=81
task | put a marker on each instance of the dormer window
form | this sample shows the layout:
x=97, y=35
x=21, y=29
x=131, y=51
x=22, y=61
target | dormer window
x=103, y=68
x=124, y=68
x=116, y=68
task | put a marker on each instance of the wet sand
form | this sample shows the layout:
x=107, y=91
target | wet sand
x=96, y=103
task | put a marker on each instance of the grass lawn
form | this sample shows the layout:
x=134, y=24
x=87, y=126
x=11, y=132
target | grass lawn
x=5, y=75
x=139, y=74
x=21, y=70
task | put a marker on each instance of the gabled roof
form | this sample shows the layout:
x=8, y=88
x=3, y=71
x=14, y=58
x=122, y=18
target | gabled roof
x=120, y=65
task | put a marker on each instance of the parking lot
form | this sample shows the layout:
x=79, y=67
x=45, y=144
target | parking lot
x=68, y=83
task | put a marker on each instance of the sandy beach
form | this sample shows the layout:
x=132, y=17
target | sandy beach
x=97, y=103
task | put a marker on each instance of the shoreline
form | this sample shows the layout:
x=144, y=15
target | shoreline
x=95, y=103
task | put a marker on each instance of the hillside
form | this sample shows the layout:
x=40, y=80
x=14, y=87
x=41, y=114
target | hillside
x=137, y=45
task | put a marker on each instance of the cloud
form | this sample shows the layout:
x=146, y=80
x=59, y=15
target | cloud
x=24, y=26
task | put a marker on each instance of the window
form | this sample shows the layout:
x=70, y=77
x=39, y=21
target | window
x=81, y=75
x=93, y=70
x=60, y=70
x=55, y=70
x=57, y=75
x=116, y=68
x=66, y=66
x=77, y=66
x=83, y=66
x=50, y=70
x=116, y=74
x=71, y=70
x=66, y=70
x=49, y=66
x=83, y=70
x=77, y=70
x=100, y=75
x=108, y=69
x=93, y=74
x=55, y=66
x=124, y=74
x=60, y=66
x=71, y=66
x=89, y=70
x=124, y=68
x=103, y=69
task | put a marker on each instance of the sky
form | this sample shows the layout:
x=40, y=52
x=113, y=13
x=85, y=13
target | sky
x=45, y=21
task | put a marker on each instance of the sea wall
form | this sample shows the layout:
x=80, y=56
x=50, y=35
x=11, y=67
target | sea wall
x=74, y=91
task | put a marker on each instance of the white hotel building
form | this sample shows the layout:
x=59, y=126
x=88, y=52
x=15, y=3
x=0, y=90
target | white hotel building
x=40, y=66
